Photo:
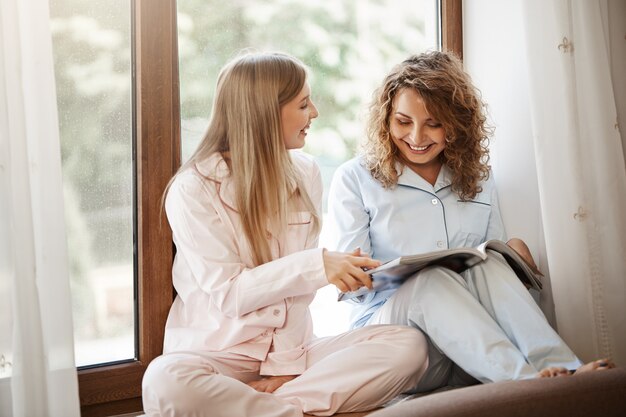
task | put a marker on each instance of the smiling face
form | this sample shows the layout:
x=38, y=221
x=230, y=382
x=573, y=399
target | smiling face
x=419, y=137
x=296, y=116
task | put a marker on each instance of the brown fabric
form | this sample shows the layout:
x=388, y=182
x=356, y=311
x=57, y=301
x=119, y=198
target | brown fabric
x=600, y=393
x=344, y=414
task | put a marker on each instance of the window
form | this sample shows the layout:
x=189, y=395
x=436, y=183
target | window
x=92, y=51
x=116, y=388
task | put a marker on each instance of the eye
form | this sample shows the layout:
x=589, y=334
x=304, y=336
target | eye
x=434, y=125
x=403, y=122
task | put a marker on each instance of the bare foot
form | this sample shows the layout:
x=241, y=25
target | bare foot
x=598, y=365
x=555, y=371
x=271, y=383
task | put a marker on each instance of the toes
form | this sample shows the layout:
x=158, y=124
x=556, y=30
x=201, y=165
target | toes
x=605, y=364
x=553, y=372
x=556, y=371
x=597, y=365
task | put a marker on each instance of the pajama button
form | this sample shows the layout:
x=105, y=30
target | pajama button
x=440, y=243
x=434, y=201
x=276, y=312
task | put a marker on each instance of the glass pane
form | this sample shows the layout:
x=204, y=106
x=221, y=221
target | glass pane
x=92, y=54
x=349, y=46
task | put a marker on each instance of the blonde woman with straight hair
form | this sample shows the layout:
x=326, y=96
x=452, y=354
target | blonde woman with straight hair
x=244, y=214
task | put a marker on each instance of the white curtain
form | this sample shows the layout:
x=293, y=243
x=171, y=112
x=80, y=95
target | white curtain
x=38, y=376
x=580, y=168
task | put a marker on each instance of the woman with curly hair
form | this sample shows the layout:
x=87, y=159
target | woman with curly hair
x=423, y=183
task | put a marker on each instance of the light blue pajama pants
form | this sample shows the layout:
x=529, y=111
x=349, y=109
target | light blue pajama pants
x=483, y=320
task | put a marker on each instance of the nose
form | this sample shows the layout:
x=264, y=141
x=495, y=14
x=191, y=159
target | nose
x=416, y=133
x=314, y=113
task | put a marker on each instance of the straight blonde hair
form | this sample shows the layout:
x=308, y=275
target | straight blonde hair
x=245, y=128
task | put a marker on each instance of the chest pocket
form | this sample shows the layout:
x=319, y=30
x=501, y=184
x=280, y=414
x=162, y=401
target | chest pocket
x=474, y=222
x=298, y=230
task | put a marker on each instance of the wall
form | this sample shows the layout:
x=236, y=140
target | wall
x=494, y=54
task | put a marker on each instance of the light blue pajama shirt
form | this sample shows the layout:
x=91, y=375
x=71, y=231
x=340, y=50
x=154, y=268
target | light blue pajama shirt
x=490, y=329
x=416, y=217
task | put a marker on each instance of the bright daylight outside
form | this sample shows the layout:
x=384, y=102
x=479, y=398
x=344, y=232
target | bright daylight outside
x=349, y=45
x=92, y=58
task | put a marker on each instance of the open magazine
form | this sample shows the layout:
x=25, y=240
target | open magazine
x=393, y=273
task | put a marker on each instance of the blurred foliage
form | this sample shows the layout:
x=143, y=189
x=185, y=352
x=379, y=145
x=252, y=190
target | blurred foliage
x=349, y=46
x=92, y=57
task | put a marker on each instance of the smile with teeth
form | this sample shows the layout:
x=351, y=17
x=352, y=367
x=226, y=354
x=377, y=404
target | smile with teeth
x=417, y=148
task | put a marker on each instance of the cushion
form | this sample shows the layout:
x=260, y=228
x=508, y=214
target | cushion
x=598, y=393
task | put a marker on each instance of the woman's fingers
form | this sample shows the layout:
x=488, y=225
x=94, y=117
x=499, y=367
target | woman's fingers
x=346, y=283
x=352, y=283
x=340, y=286
x=355, y=276
x=347, y=270
x=365, y=262
x=361, y=278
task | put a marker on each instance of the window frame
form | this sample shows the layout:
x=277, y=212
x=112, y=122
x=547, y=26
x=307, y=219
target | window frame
x=116, y=389
x=451, y=13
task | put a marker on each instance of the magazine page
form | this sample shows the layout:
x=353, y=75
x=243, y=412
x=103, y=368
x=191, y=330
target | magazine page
x=393, y=273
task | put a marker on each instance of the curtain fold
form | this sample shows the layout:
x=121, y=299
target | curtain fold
x=37, y=334
x=581, y=172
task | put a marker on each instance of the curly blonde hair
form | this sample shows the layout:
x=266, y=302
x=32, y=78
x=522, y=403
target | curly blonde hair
x=451, y=98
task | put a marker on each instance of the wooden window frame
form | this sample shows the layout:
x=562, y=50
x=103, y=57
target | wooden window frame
x=451, y=13
x=116, y=389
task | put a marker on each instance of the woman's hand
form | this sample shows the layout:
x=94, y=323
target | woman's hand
x=346, y=271
x=271, y=383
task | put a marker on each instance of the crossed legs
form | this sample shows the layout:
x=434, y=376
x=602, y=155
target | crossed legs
x=356, y=371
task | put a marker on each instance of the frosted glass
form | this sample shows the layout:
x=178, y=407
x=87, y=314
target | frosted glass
x=92, y=53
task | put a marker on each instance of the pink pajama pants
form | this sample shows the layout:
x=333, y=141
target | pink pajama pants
x=355, y=371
